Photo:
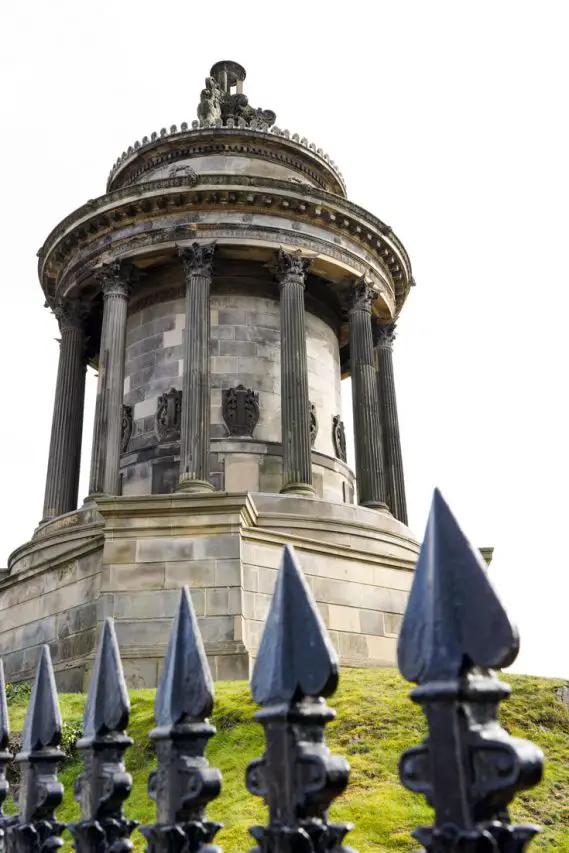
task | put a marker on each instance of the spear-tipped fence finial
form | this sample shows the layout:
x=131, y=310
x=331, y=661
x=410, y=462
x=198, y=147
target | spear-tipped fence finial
x=104, y=784
x=297, y=776
x=183, y=783
x=454, y=632
x=40, y=791
x=5, y=754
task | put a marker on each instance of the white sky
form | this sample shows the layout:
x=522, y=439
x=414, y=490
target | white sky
x=448, y=121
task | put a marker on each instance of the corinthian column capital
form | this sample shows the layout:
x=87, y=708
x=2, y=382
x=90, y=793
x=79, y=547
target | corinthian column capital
x=386, y=335
x=71, y=313
x=115, y=279
x=363, y=295
x=197, y=259
x=291, y=267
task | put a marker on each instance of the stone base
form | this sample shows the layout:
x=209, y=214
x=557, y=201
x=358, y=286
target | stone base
x=127, y=557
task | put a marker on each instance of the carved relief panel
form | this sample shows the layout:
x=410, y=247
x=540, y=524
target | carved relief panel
x=339, y=438
x=168, y=417
x=240, y=409
x=313, y=424
x=126, y=427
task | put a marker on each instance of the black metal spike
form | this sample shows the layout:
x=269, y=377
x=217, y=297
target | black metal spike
x=42, y=726
x=454, y=618
x=104, y=785
x=297, y=776
x=5, y=754
x=295, y=657
x=186, y=686
x=453, y=631
x=40, y=791
x=4, y=719
x=108, y=705
x=183, y=783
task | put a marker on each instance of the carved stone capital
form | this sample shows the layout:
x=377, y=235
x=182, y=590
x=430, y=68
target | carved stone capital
x=197, y=259
x=386, y=335
x=71, y=313
x=291, y=267
x=115, y=279
x=363, y=295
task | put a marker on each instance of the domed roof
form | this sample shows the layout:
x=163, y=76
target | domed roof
x=229, y=135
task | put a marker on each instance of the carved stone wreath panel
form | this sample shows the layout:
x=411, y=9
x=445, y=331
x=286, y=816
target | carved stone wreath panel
x=168, y=419
x=240, y=409
x=313, y=424
x=339, y=438
x=126, y=426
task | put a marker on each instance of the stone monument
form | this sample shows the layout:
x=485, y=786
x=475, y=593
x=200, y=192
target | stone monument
x=221, y=287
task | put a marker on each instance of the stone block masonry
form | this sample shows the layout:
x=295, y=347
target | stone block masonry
x=244, y=350
x=129, y=557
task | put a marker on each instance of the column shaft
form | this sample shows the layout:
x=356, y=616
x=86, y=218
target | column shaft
x=367, y=423
x=390, y=424
x=195, y=426
x=295, y=405
x=62, y=480
x=106, y=451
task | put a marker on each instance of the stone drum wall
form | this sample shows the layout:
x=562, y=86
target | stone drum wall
x=244, y=351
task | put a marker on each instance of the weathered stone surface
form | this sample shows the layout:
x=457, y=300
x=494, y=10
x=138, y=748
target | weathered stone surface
x=227, y=548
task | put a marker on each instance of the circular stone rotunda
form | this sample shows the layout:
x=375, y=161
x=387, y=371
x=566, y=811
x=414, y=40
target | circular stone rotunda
x=222, y=287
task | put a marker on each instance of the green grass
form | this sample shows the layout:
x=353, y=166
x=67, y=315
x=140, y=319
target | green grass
x=375, y=723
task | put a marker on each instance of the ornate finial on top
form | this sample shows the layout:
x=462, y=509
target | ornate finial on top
x=186, y=687
x=40, y=791
x=296, y=658
x=454, y=632
x=223, y=97
x=42, y=727
x=108, y=705
x=453, y=620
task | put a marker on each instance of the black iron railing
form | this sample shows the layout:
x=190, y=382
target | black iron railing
x=454, y=634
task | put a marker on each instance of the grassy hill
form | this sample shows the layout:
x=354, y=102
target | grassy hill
x=375, y=723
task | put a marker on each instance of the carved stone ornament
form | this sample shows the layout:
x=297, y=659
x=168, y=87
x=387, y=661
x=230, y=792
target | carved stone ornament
x=363, y=295
x=339, y=438
x=240, y=409
x=115, y=279
x=386, y=335
x=71, y=313
x=126, y=427
x=168, y=418
x=313, y=424
x=218, y=102
x=197, y=259
x=291, y=266
x=184, y=172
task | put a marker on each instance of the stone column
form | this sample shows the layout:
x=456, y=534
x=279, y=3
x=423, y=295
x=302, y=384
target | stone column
x=390, y=423
x=367, y=423
x=295, y=405
x=106, y=451
x=62, y=481
x=194, y=436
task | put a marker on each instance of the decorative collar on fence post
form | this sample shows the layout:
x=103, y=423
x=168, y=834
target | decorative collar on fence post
x=40, y=791
x=297, y=776
x=183, y=783
x=454, y=632
x=104, y=784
